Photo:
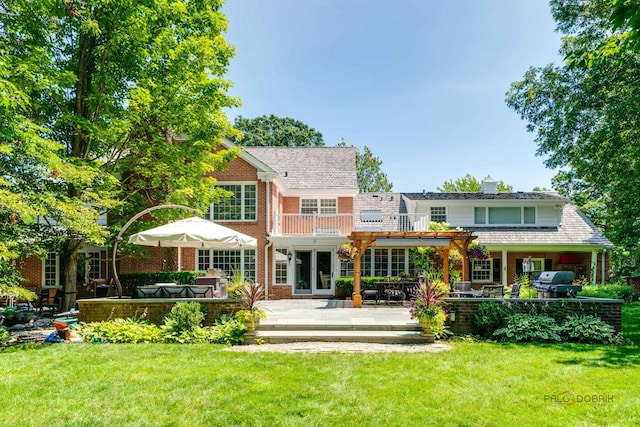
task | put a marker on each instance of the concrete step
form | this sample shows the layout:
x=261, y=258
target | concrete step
x=277, y=332
x=280, y=326
x=367, y=336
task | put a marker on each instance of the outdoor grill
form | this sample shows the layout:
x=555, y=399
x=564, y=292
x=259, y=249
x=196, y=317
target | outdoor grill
x=556, y=284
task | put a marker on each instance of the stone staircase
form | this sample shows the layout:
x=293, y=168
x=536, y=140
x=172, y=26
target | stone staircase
x=327, y=320
x=279, y=333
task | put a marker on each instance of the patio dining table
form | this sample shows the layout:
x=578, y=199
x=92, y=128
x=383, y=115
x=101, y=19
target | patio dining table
x=172, y=290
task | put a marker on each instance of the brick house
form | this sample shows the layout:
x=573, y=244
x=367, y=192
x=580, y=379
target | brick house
x=301, y=203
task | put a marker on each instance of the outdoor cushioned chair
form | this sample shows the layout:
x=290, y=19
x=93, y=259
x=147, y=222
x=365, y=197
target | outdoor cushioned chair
x=370, y=292
x=149, y=292
x=492, y=291
x=50, y=300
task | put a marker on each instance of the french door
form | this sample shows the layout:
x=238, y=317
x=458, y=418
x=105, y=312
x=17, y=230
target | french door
x=314, y=272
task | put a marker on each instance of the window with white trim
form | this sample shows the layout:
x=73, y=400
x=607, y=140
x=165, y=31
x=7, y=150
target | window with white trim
x=384, y=262
x=282, y=260
x=321, y=206
x=242, y=206
x=232, y=262
x=504, y=215
x=94, y=265
x=50, y=270
x=482, y=270
x=438, y=214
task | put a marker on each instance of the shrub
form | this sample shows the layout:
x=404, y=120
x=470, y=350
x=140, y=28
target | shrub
x=490, y=316
x=529, y=328
x=228, y=330
x=184, y=324
x=624, y=292
x=344, y=285
x=4, y=335
x=130, y=331
x=184, y=317
x=587, y=329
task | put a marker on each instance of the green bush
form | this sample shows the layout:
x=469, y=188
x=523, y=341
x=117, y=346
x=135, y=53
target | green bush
x=529, y=328
x=4, y=335
x=344, y=285
x=228, y=330
x=491, y=315
x=184, y=324
x=184, y=317
x=616, y=291
x=125, y=331
x=587, y=329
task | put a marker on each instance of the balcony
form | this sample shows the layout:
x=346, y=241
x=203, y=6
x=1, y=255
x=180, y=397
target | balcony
x=344, y=224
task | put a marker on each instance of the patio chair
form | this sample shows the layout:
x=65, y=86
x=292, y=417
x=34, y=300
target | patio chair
x=174, y=291
x=49, y=300
x=370, y=292
x=515, y=291
x=149, y=292
x=394, y=292
x=492, y=291
x=195, y=291
x=411, y=290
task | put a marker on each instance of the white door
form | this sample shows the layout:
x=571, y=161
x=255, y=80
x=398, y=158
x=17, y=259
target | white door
x=314, y=272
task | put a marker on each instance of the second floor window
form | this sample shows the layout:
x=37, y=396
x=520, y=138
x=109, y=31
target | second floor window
x=505, y=215
x=242, y=206
x=321, y=206
x=438, y=214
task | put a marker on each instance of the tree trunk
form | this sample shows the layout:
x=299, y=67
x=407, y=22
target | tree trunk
x=70, y=270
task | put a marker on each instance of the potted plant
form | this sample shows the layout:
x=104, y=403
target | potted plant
x=478, y=252
x=347, y=252
x=250, y=314
x=428, y=308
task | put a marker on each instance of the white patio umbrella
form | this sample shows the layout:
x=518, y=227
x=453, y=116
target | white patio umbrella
x=193, y=232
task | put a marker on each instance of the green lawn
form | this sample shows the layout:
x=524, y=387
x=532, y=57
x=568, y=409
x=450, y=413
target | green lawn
x=474, y=384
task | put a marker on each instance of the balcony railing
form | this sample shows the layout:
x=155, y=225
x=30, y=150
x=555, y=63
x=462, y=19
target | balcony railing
x=344, y=224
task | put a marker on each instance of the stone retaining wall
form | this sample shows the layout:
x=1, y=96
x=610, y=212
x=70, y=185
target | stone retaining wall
x=609, y=310
x=99, y=309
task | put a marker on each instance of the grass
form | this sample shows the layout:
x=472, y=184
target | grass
x=475, y=384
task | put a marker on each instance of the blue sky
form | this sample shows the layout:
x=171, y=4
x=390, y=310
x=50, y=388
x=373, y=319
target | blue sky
x=420, y=82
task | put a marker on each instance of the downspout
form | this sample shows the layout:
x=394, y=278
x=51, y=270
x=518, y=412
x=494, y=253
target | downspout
x=269, y=244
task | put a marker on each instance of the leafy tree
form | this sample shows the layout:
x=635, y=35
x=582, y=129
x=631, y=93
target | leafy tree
x=106, y=92
x=585, y=113
x=470, y=184
x=370, y=175
x=368, y=172
x=273, y=131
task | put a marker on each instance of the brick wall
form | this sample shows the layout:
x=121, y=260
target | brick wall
x=98, y=310
x=345, y=205
x=291, y=205
x=610, y=311
x=31, y=270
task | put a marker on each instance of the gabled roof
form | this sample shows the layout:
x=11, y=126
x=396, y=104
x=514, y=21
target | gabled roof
x=532, y=195
x=311, y=167
x=576, y=229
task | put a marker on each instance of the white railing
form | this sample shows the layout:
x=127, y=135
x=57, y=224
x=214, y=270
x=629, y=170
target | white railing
x=313, y=225
x=344, y=224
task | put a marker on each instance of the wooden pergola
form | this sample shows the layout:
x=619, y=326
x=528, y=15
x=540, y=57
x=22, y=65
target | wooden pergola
x=442, y=241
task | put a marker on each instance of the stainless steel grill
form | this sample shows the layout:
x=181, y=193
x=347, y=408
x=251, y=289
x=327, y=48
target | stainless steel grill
x=556, y=284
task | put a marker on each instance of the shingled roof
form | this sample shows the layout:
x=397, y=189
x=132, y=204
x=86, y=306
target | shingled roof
x=311, y=167
x=576, y=229
x=532, y=195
